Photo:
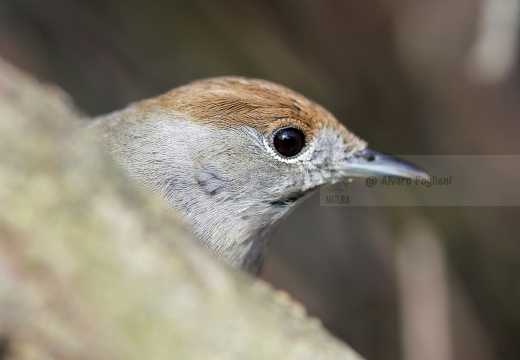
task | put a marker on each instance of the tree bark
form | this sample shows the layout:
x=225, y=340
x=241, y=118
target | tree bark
x=92, y=269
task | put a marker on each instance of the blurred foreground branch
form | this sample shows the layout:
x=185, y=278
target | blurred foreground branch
x=90, y=269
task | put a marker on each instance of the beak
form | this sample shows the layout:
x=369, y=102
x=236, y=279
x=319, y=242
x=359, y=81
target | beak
x=369, y=162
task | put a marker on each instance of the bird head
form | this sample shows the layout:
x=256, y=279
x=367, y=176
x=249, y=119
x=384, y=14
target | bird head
x=232, y=156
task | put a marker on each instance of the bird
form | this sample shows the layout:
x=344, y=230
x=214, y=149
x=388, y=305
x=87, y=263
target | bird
x=231, y=157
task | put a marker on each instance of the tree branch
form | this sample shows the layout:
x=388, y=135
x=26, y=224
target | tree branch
x=92, y=269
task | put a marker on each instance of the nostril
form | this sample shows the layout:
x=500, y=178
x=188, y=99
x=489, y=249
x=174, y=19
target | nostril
x=369, y=155
x=366, y=157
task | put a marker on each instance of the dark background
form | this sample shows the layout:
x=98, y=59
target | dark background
x=408, y=76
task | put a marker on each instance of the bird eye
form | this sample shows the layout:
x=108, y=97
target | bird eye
x=289, y=141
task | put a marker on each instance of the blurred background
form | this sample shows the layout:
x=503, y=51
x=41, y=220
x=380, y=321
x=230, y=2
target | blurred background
x=410, y=77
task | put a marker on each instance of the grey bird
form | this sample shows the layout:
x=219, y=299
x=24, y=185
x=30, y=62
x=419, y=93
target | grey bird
x=232, y=156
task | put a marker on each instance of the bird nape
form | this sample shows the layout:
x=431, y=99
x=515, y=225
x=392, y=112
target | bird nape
x=232, y=156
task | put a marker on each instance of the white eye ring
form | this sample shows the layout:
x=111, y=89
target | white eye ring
x=305, y=155
x=285, y=123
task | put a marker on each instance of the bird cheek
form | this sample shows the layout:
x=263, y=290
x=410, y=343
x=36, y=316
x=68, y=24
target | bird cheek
x=210, y=182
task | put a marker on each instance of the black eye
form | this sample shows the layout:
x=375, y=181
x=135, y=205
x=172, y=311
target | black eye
x=289, y=141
